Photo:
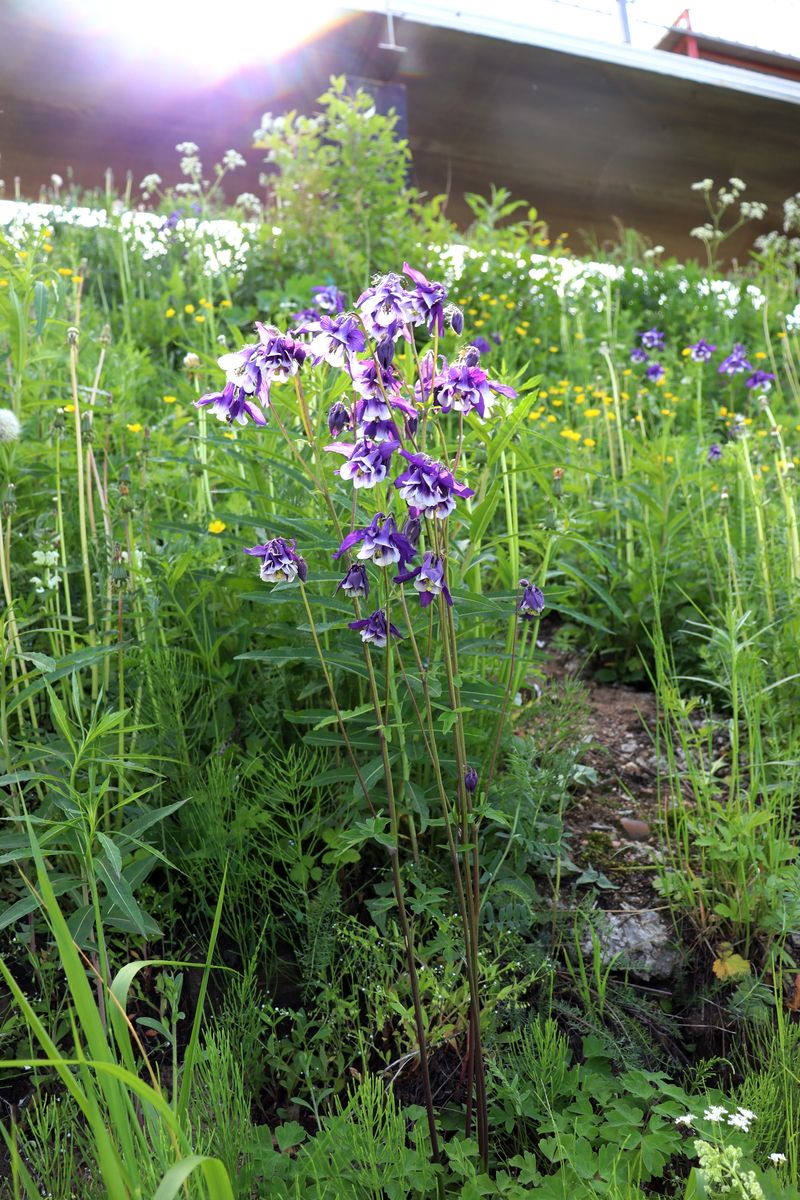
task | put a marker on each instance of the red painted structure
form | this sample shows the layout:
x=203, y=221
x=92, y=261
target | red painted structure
x=682, y=39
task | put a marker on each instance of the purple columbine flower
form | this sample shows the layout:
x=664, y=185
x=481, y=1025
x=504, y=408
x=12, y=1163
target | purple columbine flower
x=428, y=579
x=280, y=562
x=532, y=601
x=655, y=372
x=701, y=351
x=470, y=779
x=428, y=299
x=355, y=584
x=736, y=362
x=250, y=372
x=374, y=421
x=381, y=541
x=465, y=387
x=387, y=308
x=233, y=405
x=338, y=418
x=429, y=487
x=714, y=453
x=374, y=628
x=761, y=379
x=481, y=344
x=367, y=462
x=652, y=339
x=376, y=381
x=328, y=299
x=639, y=356
x=339, y=339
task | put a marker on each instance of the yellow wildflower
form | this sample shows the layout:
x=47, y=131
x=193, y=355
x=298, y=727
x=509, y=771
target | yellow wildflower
x=135, y=428
x=170, y=312
x=216, y=526
x=170, y=399
x=590, y=442
x=571, y=434
x=200, y=319
x=225, y=303
x=188, y=308
x=592, y=412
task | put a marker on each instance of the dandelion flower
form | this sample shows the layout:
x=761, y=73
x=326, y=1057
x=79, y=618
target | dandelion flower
x=10, y=428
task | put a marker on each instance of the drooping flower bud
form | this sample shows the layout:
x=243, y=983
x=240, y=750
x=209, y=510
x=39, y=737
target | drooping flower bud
x=338, y=418
x=470, y=779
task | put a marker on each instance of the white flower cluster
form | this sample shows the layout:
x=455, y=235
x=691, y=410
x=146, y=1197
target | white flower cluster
x=232, y=159
x=753, y=210
x=49, y=579
x=149, y=184
x=248, y=202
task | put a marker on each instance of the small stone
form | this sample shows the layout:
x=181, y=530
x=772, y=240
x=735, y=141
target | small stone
x=637, y=831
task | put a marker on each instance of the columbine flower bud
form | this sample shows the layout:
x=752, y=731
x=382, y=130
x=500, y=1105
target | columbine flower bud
x=411, y=529
x=338, y=418
x=455, y=319
x=470, y=779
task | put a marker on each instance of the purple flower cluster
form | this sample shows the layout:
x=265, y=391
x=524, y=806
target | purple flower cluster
x=761, y=379
x=651, y=339
x=367, y=462
x=389, y=309
x=250, y=372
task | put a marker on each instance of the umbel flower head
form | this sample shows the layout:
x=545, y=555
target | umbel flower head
x=280, y=562
x=10, y=428
x=375, y=629
x=429, y=487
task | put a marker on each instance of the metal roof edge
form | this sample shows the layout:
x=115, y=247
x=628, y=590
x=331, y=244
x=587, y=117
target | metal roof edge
x=659, y=62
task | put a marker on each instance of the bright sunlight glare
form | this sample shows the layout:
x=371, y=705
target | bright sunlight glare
x=214, y=39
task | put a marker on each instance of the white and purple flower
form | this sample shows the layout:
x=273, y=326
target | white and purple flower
x=701, y=351
x=736, y=362
x=355, y=584
x=339, y=339
x=280, y=562
x=375, y=629
x=367, y=461
x=531, y=603
x=381, y=541
x=429, y=580
x=429, y=487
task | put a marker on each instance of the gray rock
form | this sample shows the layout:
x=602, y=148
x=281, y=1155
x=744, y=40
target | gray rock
x=640, y=937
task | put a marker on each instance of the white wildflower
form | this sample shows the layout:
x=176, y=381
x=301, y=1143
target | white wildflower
x=685, y=1119
x=249, y=202
x=150, y=183
x=10, y=428
x=753, y=210
x=703, y=185
x=187, y=148
x=714, y=1113
x=56, y=181
x=232, y=159
x=739, y=1121
x=737, y=184
x=777, y=1157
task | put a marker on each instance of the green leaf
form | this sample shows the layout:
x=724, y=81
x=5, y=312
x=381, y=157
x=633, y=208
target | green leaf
x=121, y=896
x=289, y=1134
